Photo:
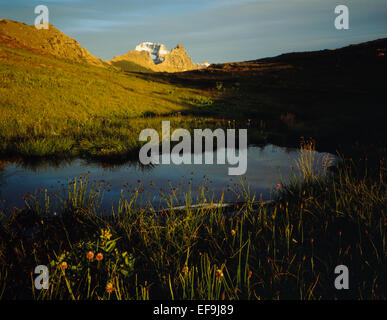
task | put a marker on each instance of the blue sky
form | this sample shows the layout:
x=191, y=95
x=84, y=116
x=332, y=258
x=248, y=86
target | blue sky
x=214, y=31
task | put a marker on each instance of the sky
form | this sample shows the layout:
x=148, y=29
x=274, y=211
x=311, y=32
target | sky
x=210, y=30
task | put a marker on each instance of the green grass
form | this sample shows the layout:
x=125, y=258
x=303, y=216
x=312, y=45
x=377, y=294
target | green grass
x=285, y=250
x=57, y=108
x=54, y=107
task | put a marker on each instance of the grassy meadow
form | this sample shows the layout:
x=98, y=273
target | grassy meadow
x=56, y=108
x=286, y=249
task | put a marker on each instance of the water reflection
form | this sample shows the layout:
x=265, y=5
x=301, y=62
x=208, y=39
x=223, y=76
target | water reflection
x=267, y=166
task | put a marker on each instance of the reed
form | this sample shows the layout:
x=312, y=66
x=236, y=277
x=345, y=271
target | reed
x=284, y=250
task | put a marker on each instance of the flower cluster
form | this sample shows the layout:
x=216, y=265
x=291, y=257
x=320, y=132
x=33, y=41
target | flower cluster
x=109, y=287
x=90, y=256
x=77, y=266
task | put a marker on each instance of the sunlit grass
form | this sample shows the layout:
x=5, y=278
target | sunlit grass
x=53, y=107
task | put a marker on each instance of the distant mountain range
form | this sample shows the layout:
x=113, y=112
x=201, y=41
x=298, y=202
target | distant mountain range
x=321, y=94
x=146, y=57
x=156, y=57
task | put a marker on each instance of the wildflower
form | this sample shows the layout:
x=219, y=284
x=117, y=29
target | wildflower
x=105, y=234
x=185, y=270
x=233, y=233
x=64, y=265
x=90, y=255
x=99, y=256
x=109, y=287
x=250, y=274
x=219, y=274
x=278, y=185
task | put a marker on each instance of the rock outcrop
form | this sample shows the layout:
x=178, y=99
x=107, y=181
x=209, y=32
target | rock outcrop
x=51, y=41
x=157, y=58
x=146, y=57
x=176, y=61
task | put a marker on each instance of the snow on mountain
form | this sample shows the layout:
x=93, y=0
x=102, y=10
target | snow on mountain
x=156, y=50
x=156, y=57
x=204, y=64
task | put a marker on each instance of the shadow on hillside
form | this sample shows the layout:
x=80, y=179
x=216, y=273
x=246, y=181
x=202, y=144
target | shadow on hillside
x=335, y=96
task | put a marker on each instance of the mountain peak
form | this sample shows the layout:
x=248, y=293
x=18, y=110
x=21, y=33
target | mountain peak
x=157, y=51
x=176, y=60
x=146, y=57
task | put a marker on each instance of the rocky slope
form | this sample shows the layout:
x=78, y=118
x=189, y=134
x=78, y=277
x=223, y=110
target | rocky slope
x=138, y=61
x=51, y=41
x=146, y=57
x=177, y=60
x=157, y=58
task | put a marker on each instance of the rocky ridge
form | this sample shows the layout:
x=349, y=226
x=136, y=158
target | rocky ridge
x=49, y=40
x=146, y=57
x=156, y=57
